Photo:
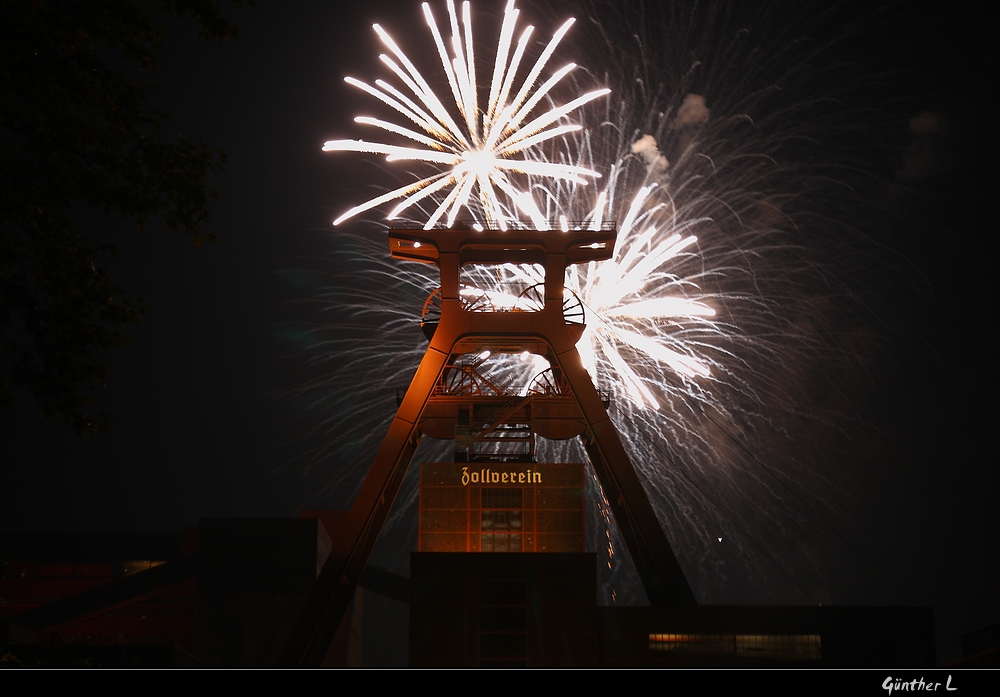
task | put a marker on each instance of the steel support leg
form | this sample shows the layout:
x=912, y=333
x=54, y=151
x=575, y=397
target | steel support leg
x=661, y=575
x=324, y=609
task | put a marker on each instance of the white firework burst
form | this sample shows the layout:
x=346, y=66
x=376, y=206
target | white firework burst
x=482, y=147
x=638, y=300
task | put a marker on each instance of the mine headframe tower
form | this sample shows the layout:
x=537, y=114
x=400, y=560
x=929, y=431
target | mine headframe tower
x=450, y=398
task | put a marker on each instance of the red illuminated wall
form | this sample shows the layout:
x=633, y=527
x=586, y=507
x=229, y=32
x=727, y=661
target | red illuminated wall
x=162, y=617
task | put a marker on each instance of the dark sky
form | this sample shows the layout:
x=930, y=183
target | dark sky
x=208, y=414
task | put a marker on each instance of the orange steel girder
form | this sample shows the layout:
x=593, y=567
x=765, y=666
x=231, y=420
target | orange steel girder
x=460, y=331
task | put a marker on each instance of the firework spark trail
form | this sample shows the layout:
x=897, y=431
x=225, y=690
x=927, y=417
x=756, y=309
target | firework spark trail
x=715, y=307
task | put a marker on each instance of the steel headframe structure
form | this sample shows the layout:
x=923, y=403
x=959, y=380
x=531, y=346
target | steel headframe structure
x=448, y=399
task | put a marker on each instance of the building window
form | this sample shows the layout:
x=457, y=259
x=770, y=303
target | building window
x=505, y=497
x=501, y=522
x=780, y=647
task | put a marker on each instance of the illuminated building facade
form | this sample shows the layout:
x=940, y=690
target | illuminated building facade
x=501, y=507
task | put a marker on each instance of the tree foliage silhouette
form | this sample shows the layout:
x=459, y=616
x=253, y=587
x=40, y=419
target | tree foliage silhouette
x=76, y=128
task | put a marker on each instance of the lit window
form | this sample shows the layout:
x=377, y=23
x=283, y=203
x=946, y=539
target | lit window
x=781, y=647
x=501, y=519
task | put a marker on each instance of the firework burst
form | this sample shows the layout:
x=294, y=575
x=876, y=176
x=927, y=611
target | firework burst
x=482, y=147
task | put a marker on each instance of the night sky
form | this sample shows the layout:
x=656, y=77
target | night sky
x=209, y=412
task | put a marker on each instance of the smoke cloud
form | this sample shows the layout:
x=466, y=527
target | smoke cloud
x=692, y=112
x=647, y=149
